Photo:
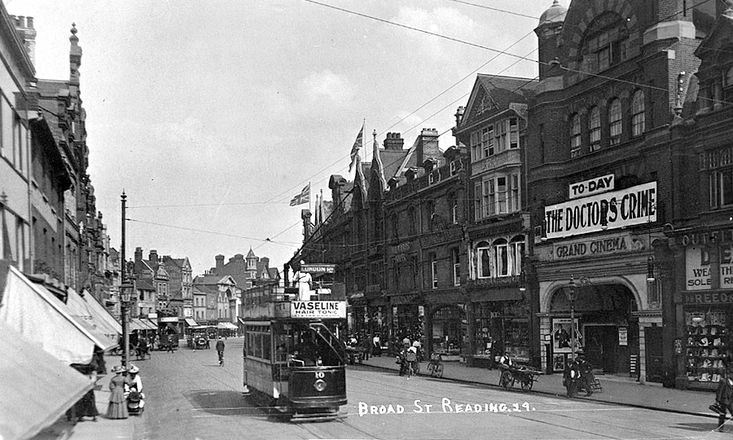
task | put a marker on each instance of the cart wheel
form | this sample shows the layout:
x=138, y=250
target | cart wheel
x=506, y=379
x=527, y=384
x=438, y=370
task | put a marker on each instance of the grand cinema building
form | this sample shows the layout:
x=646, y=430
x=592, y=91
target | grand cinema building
x=629, y=171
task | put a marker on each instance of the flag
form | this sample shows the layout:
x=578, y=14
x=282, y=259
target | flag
x=377, y=166
x=303, y=197
x=357, y=146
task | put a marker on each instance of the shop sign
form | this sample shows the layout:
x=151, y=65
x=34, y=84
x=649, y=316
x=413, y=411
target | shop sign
x=610, y=210
x=318, y=268
x=592, y=186
x=708, y=298
x=623, y=336
x=698, y=269
x=706, y=237
x=603, y=246
x=318, y=309
x=169, y=319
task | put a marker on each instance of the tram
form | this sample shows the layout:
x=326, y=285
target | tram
x=293, y=357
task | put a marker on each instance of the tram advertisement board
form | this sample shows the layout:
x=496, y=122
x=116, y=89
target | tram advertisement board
x=318, y=309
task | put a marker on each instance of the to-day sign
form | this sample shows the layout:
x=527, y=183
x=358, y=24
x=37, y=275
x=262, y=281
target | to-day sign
x=318, y=309
x=318, y=268
x=592, y=186
x=610, y=210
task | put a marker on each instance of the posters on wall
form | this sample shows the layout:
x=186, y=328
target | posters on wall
x=698, y=268
x=561, y=337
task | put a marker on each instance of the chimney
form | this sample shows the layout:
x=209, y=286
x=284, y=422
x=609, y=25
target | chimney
x=138, y=255
x=26, y=31
x=219, y=263
x=153, y=256
x=393, y=141
x=305, y=215
x=427, y=145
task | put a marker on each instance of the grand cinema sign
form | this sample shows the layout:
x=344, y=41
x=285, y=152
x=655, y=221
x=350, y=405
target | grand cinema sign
x=610, y=210
x=603, y=246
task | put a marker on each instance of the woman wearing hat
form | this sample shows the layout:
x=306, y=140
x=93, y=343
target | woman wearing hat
x=117, y=408
x=134, y=382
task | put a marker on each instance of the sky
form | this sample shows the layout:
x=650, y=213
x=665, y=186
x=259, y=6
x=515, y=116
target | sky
x=211, y=115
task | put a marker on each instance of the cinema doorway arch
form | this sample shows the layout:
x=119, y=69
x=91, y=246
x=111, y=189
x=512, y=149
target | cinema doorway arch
x=608, y=329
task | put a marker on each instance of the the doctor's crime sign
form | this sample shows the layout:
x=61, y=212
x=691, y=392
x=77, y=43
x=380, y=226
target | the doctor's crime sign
x=608, y=210
x=318, y=309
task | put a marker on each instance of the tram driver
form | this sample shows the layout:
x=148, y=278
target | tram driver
x=307, y=350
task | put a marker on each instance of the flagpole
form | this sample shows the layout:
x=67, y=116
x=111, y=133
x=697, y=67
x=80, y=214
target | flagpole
x=309, y=196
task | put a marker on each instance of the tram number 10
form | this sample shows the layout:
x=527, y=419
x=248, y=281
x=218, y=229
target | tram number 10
x=320, y=374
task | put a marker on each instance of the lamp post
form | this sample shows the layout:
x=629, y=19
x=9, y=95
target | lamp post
x=124, y=291
x=570, y=292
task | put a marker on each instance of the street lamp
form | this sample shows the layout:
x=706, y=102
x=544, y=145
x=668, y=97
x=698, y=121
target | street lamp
x=124, y=308
x=571, y=292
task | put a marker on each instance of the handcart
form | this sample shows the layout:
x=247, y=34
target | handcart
x=511, y=374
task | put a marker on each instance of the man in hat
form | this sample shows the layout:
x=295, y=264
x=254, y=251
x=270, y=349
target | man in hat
x=724, y=395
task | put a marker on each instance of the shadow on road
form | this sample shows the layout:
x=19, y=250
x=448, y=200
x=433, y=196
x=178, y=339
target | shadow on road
x=700, y=427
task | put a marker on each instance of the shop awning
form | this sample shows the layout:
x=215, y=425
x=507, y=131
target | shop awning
x=40, y=317
x=226, y=326
x=136, y=324
x=37, y=388
x=152, y=325
x=82, y=309
x=191, y=322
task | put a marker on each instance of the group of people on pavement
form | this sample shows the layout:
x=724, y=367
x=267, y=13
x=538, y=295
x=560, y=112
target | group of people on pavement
x=578, y=376
x=124, y=381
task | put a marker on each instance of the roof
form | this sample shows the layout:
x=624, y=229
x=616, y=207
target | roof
x=205, y=288
x=144, y=284
x=492, y=94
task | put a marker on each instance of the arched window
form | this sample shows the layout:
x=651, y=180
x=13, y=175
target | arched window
x=637, y=114
x=502, y=261
x=483, y=260
x=395, y=226
x=595, y=128
x=614, y=121
x=574, y=135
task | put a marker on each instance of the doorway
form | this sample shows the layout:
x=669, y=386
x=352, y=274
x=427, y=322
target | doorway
x=654, y=360
x=601, y=347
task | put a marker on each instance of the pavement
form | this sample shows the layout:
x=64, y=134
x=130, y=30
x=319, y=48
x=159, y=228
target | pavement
x=103, y=428
x=618, y=390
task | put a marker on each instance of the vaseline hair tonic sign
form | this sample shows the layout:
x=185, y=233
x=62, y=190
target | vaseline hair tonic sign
x=318, y=309
x=610, y=210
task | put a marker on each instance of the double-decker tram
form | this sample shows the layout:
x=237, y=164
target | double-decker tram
x=294, y=358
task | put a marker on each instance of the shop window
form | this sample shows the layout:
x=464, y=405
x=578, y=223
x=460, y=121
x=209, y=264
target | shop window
x=637, y=114
x=595, y=128
x=614, y=121
x=706, y=345
x=574, y=135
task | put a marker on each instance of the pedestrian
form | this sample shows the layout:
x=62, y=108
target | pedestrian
x=117, y=408
x=724, y=396
x=376, y=345
x=170, y=343
x=367, y=344
x=571, y=376
x=220, y=350
x=87, y=405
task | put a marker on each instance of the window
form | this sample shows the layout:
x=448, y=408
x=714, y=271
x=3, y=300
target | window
x=721, y=188
x=516, y=254
x=474, y=143
x=501, y=136
x=411, y=213
x=434, y=270
x=595, y=127
x=501, y=195
x=574, y=135
x=514, y=202
x=454, y=211
x=488, y=134
x=455, y=257
x=501, y=253
x=395, y=226
x=483, y=260
x=637, y=114
x=430, y=212
x=489, y=197
x=478, y=214
x=614, y=121
x=513, y=133
x=452, y=167
x=606, y=45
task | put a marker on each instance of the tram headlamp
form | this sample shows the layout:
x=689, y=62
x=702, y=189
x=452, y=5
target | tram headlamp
x=319, y=385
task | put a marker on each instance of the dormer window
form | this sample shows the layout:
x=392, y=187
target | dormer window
x=605, y=44
x=452, y=168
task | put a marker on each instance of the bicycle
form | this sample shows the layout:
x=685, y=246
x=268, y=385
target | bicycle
x=435, y=366
x=221, y=358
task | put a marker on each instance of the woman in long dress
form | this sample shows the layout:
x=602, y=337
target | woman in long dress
x=117, y=408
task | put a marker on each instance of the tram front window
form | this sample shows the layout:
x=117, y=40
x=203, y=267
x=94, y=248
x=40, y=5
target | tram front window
x=313, y=346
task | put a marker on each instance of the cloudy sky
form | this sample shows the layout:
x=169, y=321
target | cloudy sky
x=212, y=114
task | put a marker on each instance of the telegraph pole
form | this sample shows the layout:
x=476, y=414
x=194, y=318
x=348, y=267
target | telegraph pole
x=124, y=293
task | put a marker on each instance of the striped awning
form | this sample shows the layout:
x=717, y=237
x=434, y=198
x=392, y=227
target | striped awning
x=191, y=322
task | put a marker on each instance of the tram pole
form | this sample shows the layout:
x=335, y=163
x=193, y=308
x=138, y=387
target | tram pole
x=124, y=292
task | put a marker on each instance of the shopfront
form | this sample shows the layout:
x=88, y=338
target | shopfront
x=448, y=330
x=500, y=327
x=705, y=337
